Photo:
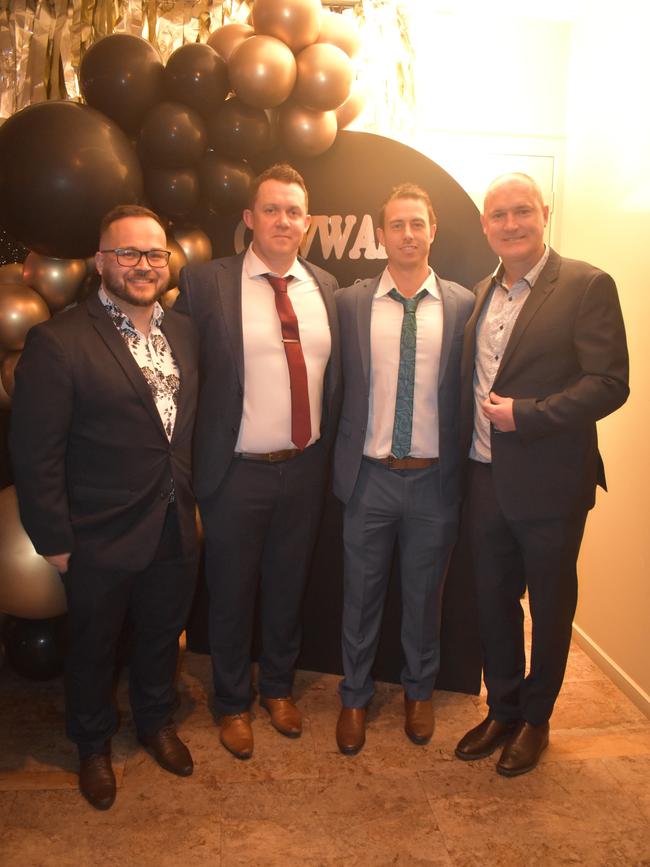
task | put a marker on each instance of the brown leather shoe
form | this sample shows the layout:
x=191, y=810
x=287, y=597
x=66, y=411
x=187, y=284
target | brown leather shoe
x=481, y=741
x=523, y=749
x=97, y=780
x=419, y=720
x=169, y=751
x=285, y=716
x=237, y=734
x=351, y=730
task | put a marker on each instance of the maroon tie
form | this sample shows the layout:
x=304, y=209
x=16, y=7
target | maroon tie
x=300, y=415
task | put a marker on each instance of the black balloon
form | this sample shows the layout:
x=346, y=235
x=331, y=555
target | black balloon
x=239, y=130
x=198, y=77
x=172, y=135
x=35, y=648
x=225, y=184
x=173, y=193
x=62, y=167
x=122, y=76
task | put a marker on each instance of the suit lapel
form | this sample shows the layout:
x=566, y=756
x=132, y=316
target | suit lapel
x=180, y=349
x=115, y=342
x=449, y=316
x=365, y=296
x=228, y=280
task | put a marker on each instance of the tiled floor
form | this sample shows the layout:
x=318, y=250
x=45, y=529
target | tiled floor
x=299, y=802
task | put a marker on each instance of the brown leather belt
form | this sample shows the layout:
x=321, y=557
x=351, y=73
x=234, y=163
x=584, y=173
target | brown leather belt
x=269, y=457
x=407, y=463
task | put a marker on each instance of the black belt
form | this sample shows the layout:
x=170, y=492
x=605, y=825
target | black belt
x=270, y=457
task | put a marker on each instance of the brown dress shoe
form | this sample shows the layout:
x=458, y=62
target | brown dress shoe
x=97, y=780
x=169, y=751
x=237, y=734
x=523, y=749
x=285, y=716
x=351, y=730
x=419, y=720
x=481, y=741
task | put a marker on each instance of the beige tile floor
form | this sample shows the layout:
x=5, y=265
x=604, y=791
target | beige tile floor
x=302, y=803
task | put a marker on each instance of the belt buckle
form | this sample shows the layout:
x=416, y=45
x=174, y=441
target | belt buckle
x=275, y=457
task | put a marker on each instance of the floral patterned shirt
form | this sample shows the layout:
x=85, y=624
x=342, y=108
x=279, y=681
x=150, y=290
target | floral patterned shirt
x=153, y=356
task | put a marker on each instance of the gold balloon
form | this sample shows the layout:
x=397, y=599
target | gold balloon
x=324, y=79
x=29, y=586
x=7, y=367
x=168, y=298
x=340, y=30
x=5, y=399
x=20, y=308
x=12, y=273
x=195, y=244
x=306, y=132
x=56, y=280
x=262, y=71
x=352, y=107
x=295, y=22
x=225, y=39
x=177, y=260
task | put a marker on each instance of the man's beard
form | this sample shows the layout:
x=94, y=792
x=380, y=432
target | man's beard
x=120, y=289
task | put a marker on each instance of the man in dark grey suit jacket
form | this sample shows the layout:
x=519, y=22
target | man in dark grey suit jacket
x=268, y=409
x=397, y=459
x=101, y=435
x=545, y=357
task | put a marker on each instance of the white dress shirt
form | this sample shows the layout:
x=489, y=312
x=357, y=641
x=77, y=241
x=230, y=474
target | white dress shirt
x=266, y=418
x=385, y=333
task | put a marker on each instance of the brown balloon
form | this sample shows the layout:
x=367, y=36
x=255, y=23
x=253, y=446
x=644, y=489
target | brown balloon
x=305, y=132
x=262, y=71
x=5, y=403
x=20, y=309
x=57, y=281
x=352, y=107
x=239, y=130
x=225, y=184
x=295, y=22
x=194, y=242
x=7, y=367
x=29, y=586
x=12, y=273
x=168, y=298
x=197, y=76
x=174, y=193
x=324, y=78
x=177, y=260
x=340, y=30
x=172, y=135
x=225, y=39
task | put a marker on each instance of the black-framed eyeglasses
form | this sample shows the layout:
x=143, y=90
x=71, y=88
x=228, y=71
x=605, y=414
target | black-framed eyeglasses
x=129, y=257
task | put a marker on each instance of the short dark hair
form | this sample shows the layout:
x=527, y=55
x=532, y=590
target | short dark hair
x=120, y=212
x=282, y=172
x=408, y=191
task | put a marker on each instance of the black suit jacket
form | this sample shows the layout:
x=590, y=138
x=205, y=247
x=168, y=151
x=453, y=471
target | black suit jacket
x=566, y=365
x=92, y=463
x=211, y=294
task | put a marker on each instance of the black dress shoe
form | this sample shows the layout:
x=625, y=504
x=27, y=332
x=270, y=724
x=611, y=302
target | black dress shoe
x=169, y=751
x=481, y=741
x=523, y=749
x=97, y=780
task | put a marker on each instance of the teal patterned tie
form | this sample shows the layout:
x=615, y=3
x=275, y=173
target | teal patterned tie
x=401, y=444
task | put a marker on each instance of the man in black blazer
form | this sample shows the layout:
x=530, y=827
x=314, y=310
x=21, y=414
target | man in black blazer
x=397, y=459
x=267, y=413
x=545, y=357
x=101, y=431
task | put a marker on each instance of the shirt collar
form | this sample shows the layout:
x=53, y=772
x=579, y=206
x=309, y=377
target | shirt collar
x=121, y=320
x=254, y=267
x=531, y=276
x=386, y=283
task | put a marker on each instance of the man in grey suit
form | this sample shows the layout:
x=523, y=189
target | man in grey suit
x=397, y=459
x=545, y=356
x=268, y=408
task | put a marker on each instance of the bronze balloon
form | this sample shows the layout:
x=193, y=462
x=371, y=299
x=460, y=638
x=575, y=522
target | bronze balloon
x=340, y=30
x=324, y=77
x=305, y=132
x=12, y=273
x=29, y=586
x=7, y=367
x=194, y=242
x=295, y=22
x=168, y=298
x=57, y=281
x=262, y=71
x=20, y=309
x=177, y=260
x=225, y=39
x=5, y=403
x=239, y=130
x=352, y=107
